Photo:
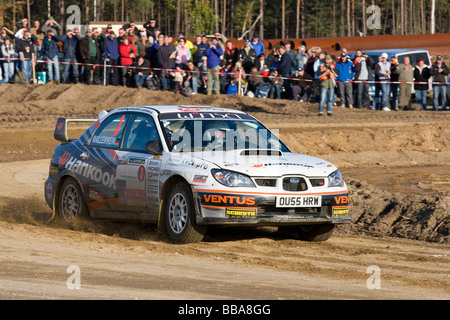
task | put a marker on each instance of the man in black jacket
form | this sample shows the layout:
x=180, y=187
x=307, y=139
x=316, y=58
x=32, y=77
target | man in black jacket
x=421, y=74
x=89, y=53
x=25, y=47
x=363, y=73
x=166, y=57
x=439, y=72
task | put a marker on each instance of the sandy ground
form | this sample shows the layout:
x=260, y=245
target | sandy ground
x=395, y=163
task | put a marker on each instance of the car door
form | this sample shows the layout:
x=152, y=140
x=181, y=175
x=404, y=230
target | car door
x=99, y=161
x=138, y=170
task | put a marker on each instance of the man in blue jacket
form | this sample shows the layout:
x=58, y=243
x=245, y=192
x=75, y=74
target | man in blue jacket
x=50, y=51
x=346, y=74
x=257, y=45
x=213, y=53
x=70, y=41
x=112, y=59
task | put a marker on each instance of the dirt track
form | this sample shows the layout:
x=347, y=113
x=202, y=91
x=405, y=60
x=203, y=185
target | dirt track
x=396, y=165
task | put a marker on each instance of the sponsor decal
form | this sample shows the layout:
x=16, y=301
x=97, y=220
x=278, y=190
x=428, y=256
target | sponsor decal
x=244, y=213
x=136, y=160
x=340, y=211
x=341, y=200
x=119, y=125
x=260, y=165
x=63, y=159
x=225, y=200
x=200, y=178
x=60, y=125
x=141, y=173
x=96, y=196
x=194, y=164
x=91, y=172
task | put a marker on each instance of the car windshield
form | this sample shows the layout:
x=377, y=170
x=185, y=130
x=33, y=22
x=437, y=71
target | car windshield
x=202, y=131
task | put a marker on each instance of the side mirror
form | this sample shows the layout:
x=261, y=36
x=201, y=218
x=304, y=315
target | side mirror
x=154, y=147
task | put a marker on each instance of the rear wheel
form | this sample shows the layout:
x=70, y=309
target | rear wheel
x=315, y=232
x=180, y=216
x=72, y=206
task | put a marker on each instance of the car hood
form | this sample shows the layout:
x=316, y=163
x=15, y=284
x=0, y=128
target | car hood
x=277, y=164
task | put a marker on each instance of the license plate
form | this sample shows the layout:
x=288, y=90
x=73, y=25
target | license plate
x=298, y=201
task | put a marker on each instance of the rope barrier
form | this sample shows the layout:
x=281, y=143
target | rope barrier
x=94, y=65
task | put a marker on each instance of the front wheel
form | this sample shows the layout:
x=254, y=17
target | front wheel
x=180, y=216
x=315, y=232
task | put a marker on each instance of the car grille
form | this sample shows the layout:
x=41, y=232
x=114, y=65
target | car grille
x=294, y=184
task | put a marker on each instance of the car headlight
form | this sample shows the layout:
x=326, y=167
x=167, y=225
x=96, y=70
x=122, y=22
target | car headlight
x=232, y=179
x=335, y=179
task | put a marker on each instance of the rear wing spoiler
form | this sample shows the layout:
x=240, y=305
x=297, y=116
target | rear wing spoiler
x=60, y=133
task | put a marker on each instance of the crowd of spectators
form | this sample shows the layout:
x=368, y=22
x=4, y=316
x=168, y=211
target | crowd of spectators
x=144, y=57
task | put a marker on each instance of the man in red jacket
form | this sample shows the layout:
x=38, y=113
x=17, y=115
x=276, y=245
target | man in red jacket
x=127, y=54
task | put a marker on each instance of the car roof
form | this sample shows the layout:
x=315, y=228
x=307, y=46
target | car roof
x=177, y=108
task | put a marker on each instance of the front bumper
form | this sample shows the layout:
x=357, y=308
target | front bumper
x=216, y=208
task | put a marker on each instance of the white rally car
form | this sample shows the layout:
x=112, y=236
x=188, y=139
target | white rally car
x=187, y=167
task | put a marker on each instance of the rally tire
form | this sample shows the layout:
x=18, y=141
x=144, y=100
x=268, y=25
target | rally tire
x=180, y=216
x=72, y=206
x=315, y=232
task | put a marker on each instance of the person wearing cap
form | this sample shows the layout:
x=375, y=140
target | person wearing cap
x=213, y=53
x=247, y=55
x=50, y=51
x=327, y=77
x=301, y=57
x=301, y=85
x=51, y=25
x=109, y=29
x=291, y=53
x=70, y=44
x=112, y=59
x=421, y=74
x=346, y=74
x=151, y=27
x=25, y=48
x=439, y=71
x=383, y=72
x=257, y=45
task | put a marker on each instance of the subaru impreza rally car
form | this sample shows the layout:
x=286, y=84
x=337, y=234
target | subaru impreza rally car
x=188, y=167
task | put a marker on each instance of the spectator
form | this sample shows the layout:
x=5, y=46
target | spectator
x=346, y=74
x=247, y=56
x=225, y=77
x=166, y=57
x=50, y=51
x=70, y=44
x=276, y=83
x=273, y=59
x=261, y=63
x=439, y=72
x=316, y=68
x=213, y=53
x=5, y=34
x=53, y=26
x=421, y=74
x=127, y=54
x=8, y=52
x=141, y=71
x=192, y=78
x=257, y=45
x=39, y=34
x=132, y=30
x=90, y=54
x=394, y=86
x=203, y=67
x=178, y=76
x=301, y=85
x=255, y=81
x=231, y=53
x=122, y=35
x=108, y=30
x=291, y=53
x=151, y=26
x=192, y=48
x=112, y=58
x=405, y=74
x=23, y=24
x=201, y=49
x=25, y=48
x=383, y=71
x=327, y=77
x=143, y=46
x=301, y=57
x=183, y=53
x=221, y=40
x=363, y=73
